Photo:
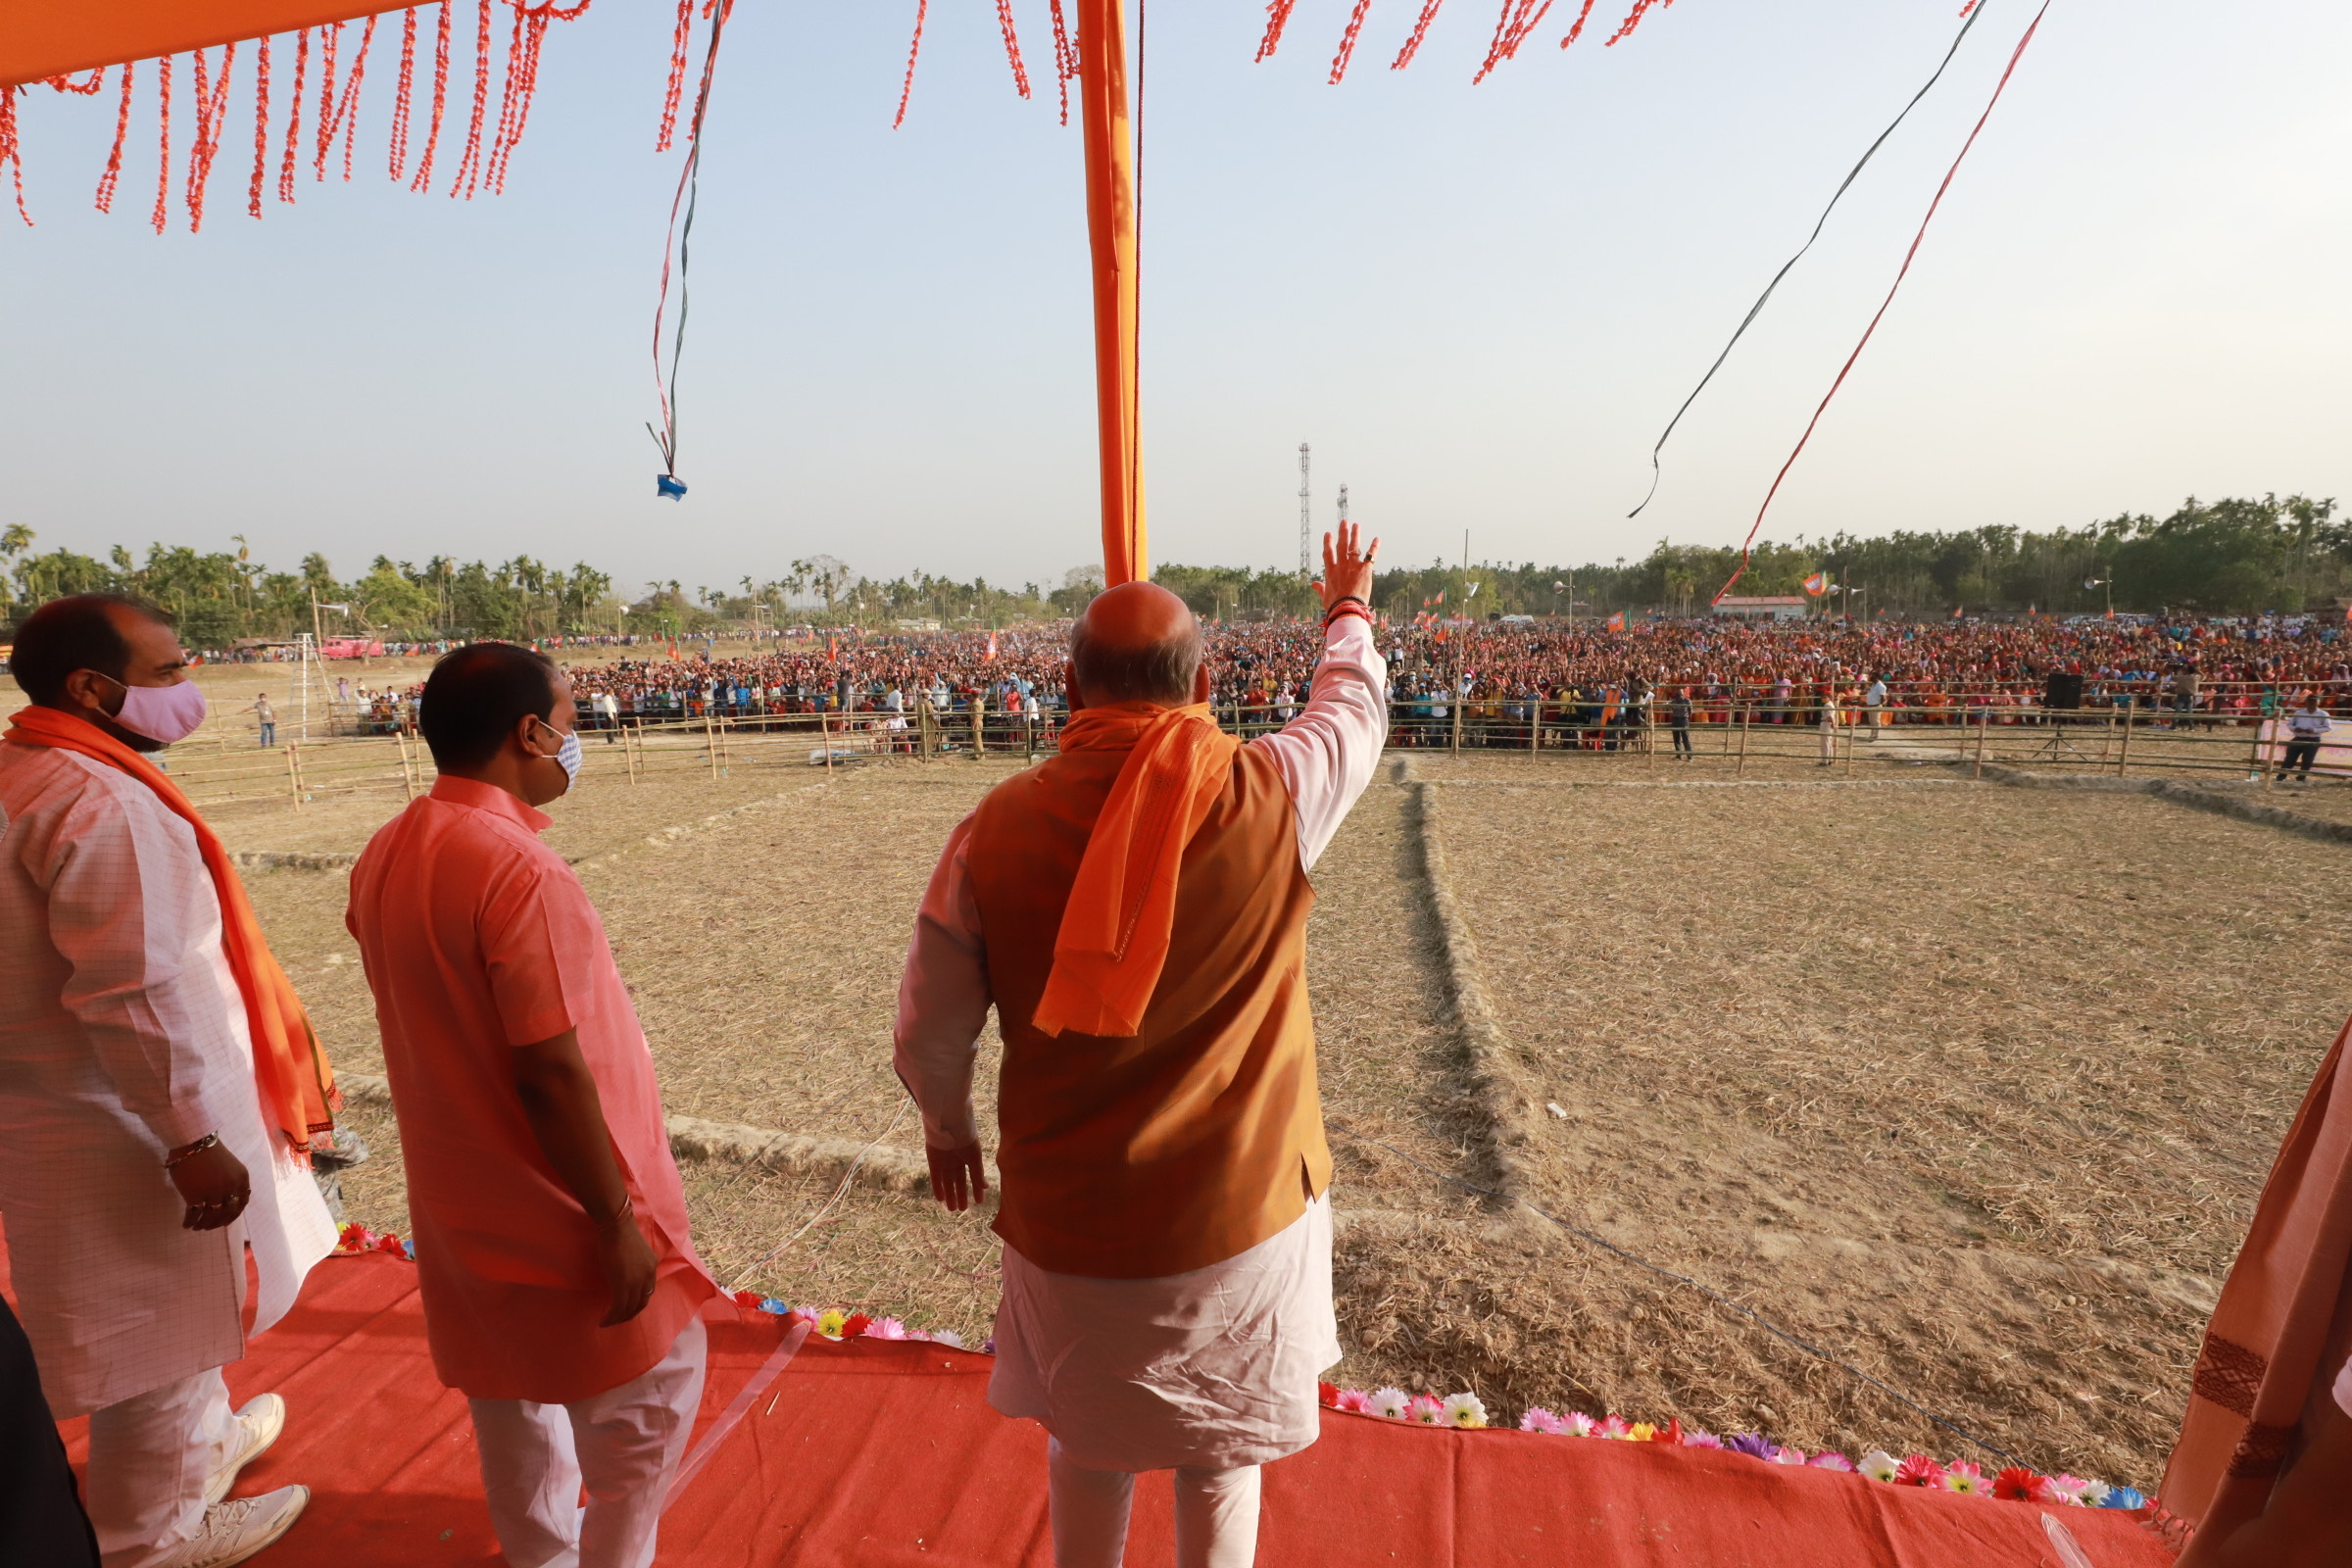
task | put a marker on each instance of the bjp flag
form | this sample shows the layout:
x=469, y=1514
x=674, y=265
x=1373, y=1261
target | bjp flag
x=1818, y=584
x=1617, y=622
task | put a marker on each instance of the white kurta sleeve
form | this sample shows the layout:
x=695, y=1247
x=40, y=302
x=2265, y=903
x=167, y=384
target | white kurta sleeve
x=1327, y=755
x=123, y=895
x=944, y=1000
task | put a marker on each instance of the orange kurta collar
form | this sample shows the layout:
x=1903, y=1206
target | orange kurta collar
x=490, y=797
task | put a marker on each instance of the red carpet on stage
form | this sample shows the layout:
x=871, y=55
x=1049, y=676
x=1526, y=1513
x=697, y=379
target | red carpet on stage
x=880, y=1453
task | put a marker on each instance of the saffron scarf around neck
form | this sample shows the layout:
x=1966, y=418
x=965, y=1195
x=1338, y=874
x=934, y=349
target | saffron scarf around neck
x=2268, y=1339
x=290, y=1070
x=1115, y=930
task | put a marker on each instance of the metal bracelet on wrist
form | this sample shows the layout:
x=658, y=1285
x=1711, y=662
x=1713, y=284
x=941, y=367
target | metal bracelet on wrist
x=628, y=1207
x=174, y=1157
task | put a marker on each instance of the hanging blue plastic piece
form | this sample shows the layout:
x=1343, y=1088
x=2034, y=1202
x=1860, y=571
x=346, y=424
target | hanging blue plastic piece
x=668, y=488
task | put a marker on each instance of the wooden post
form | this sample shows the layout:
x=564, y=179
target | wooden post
x=1745, y=708
x=1458, y=718
x=922, y=728
x=294, y=776
x=1535, y=725
x=2123, y=759
x=1028, y=735
x=2261, y=769
x=979, y=726
x=1984, y=725
x=407, y=769
x=824, y=736
x=630, y=739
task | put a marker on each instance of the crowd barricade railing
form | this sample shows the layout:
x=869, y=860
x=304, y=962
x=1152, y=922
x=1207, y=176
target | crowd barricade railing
x=1974, y=728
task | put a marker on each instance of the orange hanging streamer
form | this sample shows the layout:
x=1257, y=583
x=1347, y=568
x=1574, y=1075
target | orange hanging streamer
x=1356, y=25
x=12, y=157
x=114, y=159
x=469, y=177
x=212, y=111
x=339, y=113
x=522, y=80
x=1576, y=31
x=1110, y=222
x=330, y=45
x=398, y=151
x=677, y=75
x=1633, y=20
x=260, y=131
x=1012, y=47
x=285, y=170
x=432, y=130
x=1278, y=16
x=1412, y=45
x=163, y=157
x=914, y=52
x=1066, y=60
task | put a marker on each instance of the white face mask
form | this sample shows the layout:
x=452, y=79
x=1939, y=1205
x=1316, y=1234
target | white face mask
x=162, y=713
x=567, y=756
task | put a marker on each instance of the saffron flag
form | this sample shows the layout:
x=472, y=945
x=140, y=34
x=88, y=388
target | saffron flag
x=1617, y=622
x=1818, y=584
x=992, y=643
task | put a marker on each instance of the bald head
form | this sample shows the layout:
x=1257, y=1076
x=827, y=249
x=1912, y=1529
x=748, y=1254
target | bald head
x=1137, y=643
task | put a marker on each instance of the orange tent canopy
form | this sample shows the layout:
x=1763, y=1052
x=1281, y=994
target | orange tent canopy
x=44, y=38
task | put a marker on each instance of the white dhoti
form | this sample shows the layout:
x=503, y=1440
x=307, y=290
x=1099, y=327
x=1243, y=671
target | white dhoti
x=1204, y=1370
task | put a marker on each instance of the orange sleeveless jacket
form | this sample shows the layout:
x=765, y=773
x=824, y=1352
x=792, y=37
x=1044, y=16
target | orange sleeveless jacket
x=1201, y=1135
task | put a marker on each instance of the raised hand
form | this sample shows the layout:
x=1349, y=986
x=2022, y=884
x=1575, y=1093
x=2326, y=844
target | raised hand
x=1346, y=572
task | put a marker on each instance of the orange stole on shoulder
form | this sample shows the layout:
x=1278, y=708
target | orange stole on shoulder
x=1199, y=1134
x=1113, y=937
x=297, y=1087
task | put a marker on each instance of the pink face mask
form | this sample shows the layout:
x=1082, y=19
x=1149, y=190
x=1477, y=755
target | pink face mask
x=163, y=713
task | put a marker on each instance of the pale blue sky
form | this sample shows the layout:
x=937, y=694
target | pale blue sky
x=1479, y=304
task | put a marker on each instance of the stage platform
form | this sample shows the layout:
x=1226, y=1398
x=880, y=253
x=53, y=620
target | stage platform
x=884, y=1454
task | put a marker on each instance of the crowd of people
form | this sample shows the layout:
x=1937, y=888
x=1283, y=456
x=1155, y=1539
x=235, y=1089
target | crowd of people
x=1589, y=679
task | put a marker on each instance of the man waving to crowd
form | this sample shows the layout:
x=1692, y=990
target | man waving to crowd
x=1135, y=907
x=158, y=1085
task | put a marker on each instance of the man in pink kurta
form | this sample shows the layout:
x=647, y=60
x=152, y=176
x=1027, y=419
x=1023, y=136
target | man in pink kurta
x=484, y=951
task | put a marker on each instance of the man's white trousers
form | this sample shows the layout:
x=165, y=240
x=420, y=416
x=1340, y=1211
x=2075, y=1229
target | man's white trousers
x=150, y=1457
x=625, y=1444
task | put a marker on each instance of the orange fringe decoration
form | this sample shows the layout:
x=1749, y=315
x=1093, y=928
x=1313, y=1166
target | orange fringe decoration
x=398, y=151
x=1356, y=25
x=345, y=118
x=1633, y=20
x=1066, y=60
x=432, y=133
x=260, y=132
x=12, y=158
x=331, y=45
x=677, y=75
x=470, y=167
x=1012, y=48
x=211, y=110
x=1278, y=16
x=1412, y=45
x=1574, y=33
x=914, y=50
x=114, y=159
x=162, y=172
x=302, y=64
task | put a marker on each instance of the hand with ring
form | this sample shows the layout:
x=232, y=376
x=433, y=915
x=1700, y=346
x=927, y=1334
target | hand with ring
x=214, y=1184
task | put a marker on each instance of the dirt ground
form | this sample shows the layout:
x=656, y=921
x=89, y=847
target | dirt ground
x=1970, y=1087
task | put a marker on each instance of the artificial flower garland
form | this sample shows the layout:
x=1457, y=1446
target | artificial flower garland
x=1467, y=1412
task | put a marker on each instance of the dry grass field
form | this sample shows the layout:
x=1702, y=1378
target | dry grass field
x=1970, y=1087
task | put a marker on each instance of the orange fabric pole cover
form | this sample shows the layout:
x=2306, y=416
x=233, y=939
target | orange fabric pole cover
x=1111, y=226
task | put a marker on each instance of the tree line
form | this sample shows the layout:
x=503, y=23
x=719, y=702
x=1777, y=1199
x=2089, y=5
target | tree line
x=2223, y=558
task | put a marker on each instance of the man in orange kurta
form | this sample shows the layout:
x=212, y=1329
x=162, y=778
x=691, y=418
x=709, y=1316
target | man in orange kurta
x=1135, y=908
x=562, y=1291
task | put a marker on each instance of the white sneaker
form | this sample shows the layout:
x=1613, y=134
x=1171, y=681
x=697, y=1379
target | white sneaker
x=257, y=1427
x=236, y=1530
